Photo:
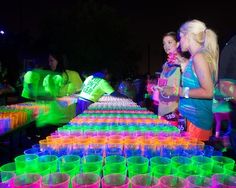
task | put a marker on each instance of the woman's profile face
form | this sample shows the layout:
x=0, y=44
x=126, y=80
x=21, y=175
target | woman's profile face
x=52, y=62
x=170, y=45
x=183, y=42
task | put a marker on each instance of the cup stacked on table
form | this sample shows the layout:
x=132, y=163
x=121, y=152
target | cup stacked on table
x=116, y=143
x=14, y=116
x=17, y=115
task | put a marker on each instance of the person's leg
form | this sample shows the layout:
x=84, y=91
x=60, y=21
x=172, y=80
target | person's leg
x=232, y=137
x=230, y=125
x=218, y=124
x=219, y=117
x=229, y=128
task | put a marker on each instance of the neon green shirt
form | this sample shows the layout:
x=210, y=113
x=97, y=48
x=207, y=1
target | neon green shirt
x=30, y=78
x=94, y=88
x=73, y=85
x=62, y=85
x=32, y=85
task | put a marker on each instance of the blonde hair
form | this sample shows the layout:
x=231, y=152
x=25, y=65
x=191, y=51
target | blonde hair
x=207, y=38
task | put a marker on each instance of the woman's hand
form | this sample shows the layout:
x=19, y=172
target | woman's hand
x=168, y=91
x=228, y=88
x=171, y=91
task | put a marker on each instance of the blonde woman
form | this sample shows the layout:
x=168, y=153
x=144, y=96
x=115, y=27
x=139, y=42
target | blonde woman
x=198, y=78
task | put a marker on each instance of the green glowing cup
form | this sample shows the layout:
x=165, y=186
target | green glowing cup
x=222, y=161
x=26, y=161
x=114, y=169
x=49, y=161
x=138, y=163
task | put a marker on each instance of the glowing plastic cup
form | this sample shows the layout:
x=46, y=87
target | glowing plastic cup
x=209, y=169
x=114, y=169
x=167, y=148
x=42, y=170
x=180, y=160
x=115, y=159
x=196, y=147
x=199, y=160
x=35, y=151
x=114, y=145
x=49, y=161
x=88, y=168
x=149, y=148
x=71, y=159
x=208, y=150
x=138, y=163
x=186, y=170
x=171, y=181
x=6, y=179
x=95, y=150
x=93, y=160
x=86, y=180
x=69, y=169
x=113, y=150
x=36, y=146
x=26, y=161
x=228, y=169
x=160, y=170
x=144, y=181
x=56, y=180
x=115, y=180
x=223, y=181
x=135, y=172
x=197, y=181
x=160, y=161
x=9, y=167
x=131, y=147
x=221, y=160
x=27, y=180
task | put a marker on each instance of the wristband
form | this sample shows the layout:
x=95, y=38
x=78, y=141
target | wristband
x=186, y=92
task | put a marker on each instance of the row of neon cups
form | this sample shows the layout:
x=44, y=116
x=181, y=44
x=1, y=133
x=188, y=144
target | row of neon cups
x=156, y=166
x=91, y=180
x=106, y=130
x=178, y=166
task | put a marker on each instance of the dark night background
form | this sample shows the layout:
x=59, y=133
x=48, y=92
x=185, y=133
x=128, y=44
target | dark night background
x=123, y=35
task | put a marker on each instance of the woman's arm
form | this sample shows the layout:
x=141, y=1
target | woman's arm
x=204, y=75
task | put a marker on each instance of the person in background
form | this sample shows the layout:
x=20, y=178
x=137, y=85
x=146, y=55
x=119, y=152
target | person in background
x=94, y=87
x=127, y=88
x=198, y=78
x=221, y=109
x=153, y=93
x=148, y=92
x=170, y=76
x=227, y=81
x=33, y=88
x=61, y=82
x=140, y=89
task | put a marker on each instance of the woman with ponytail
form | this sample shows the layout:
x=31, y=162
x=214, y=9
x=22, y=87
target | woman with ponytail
x=198, y=78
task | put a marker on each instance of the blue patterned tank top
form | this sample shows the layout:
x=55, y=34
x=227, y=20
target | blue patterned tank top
x=197, y=111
